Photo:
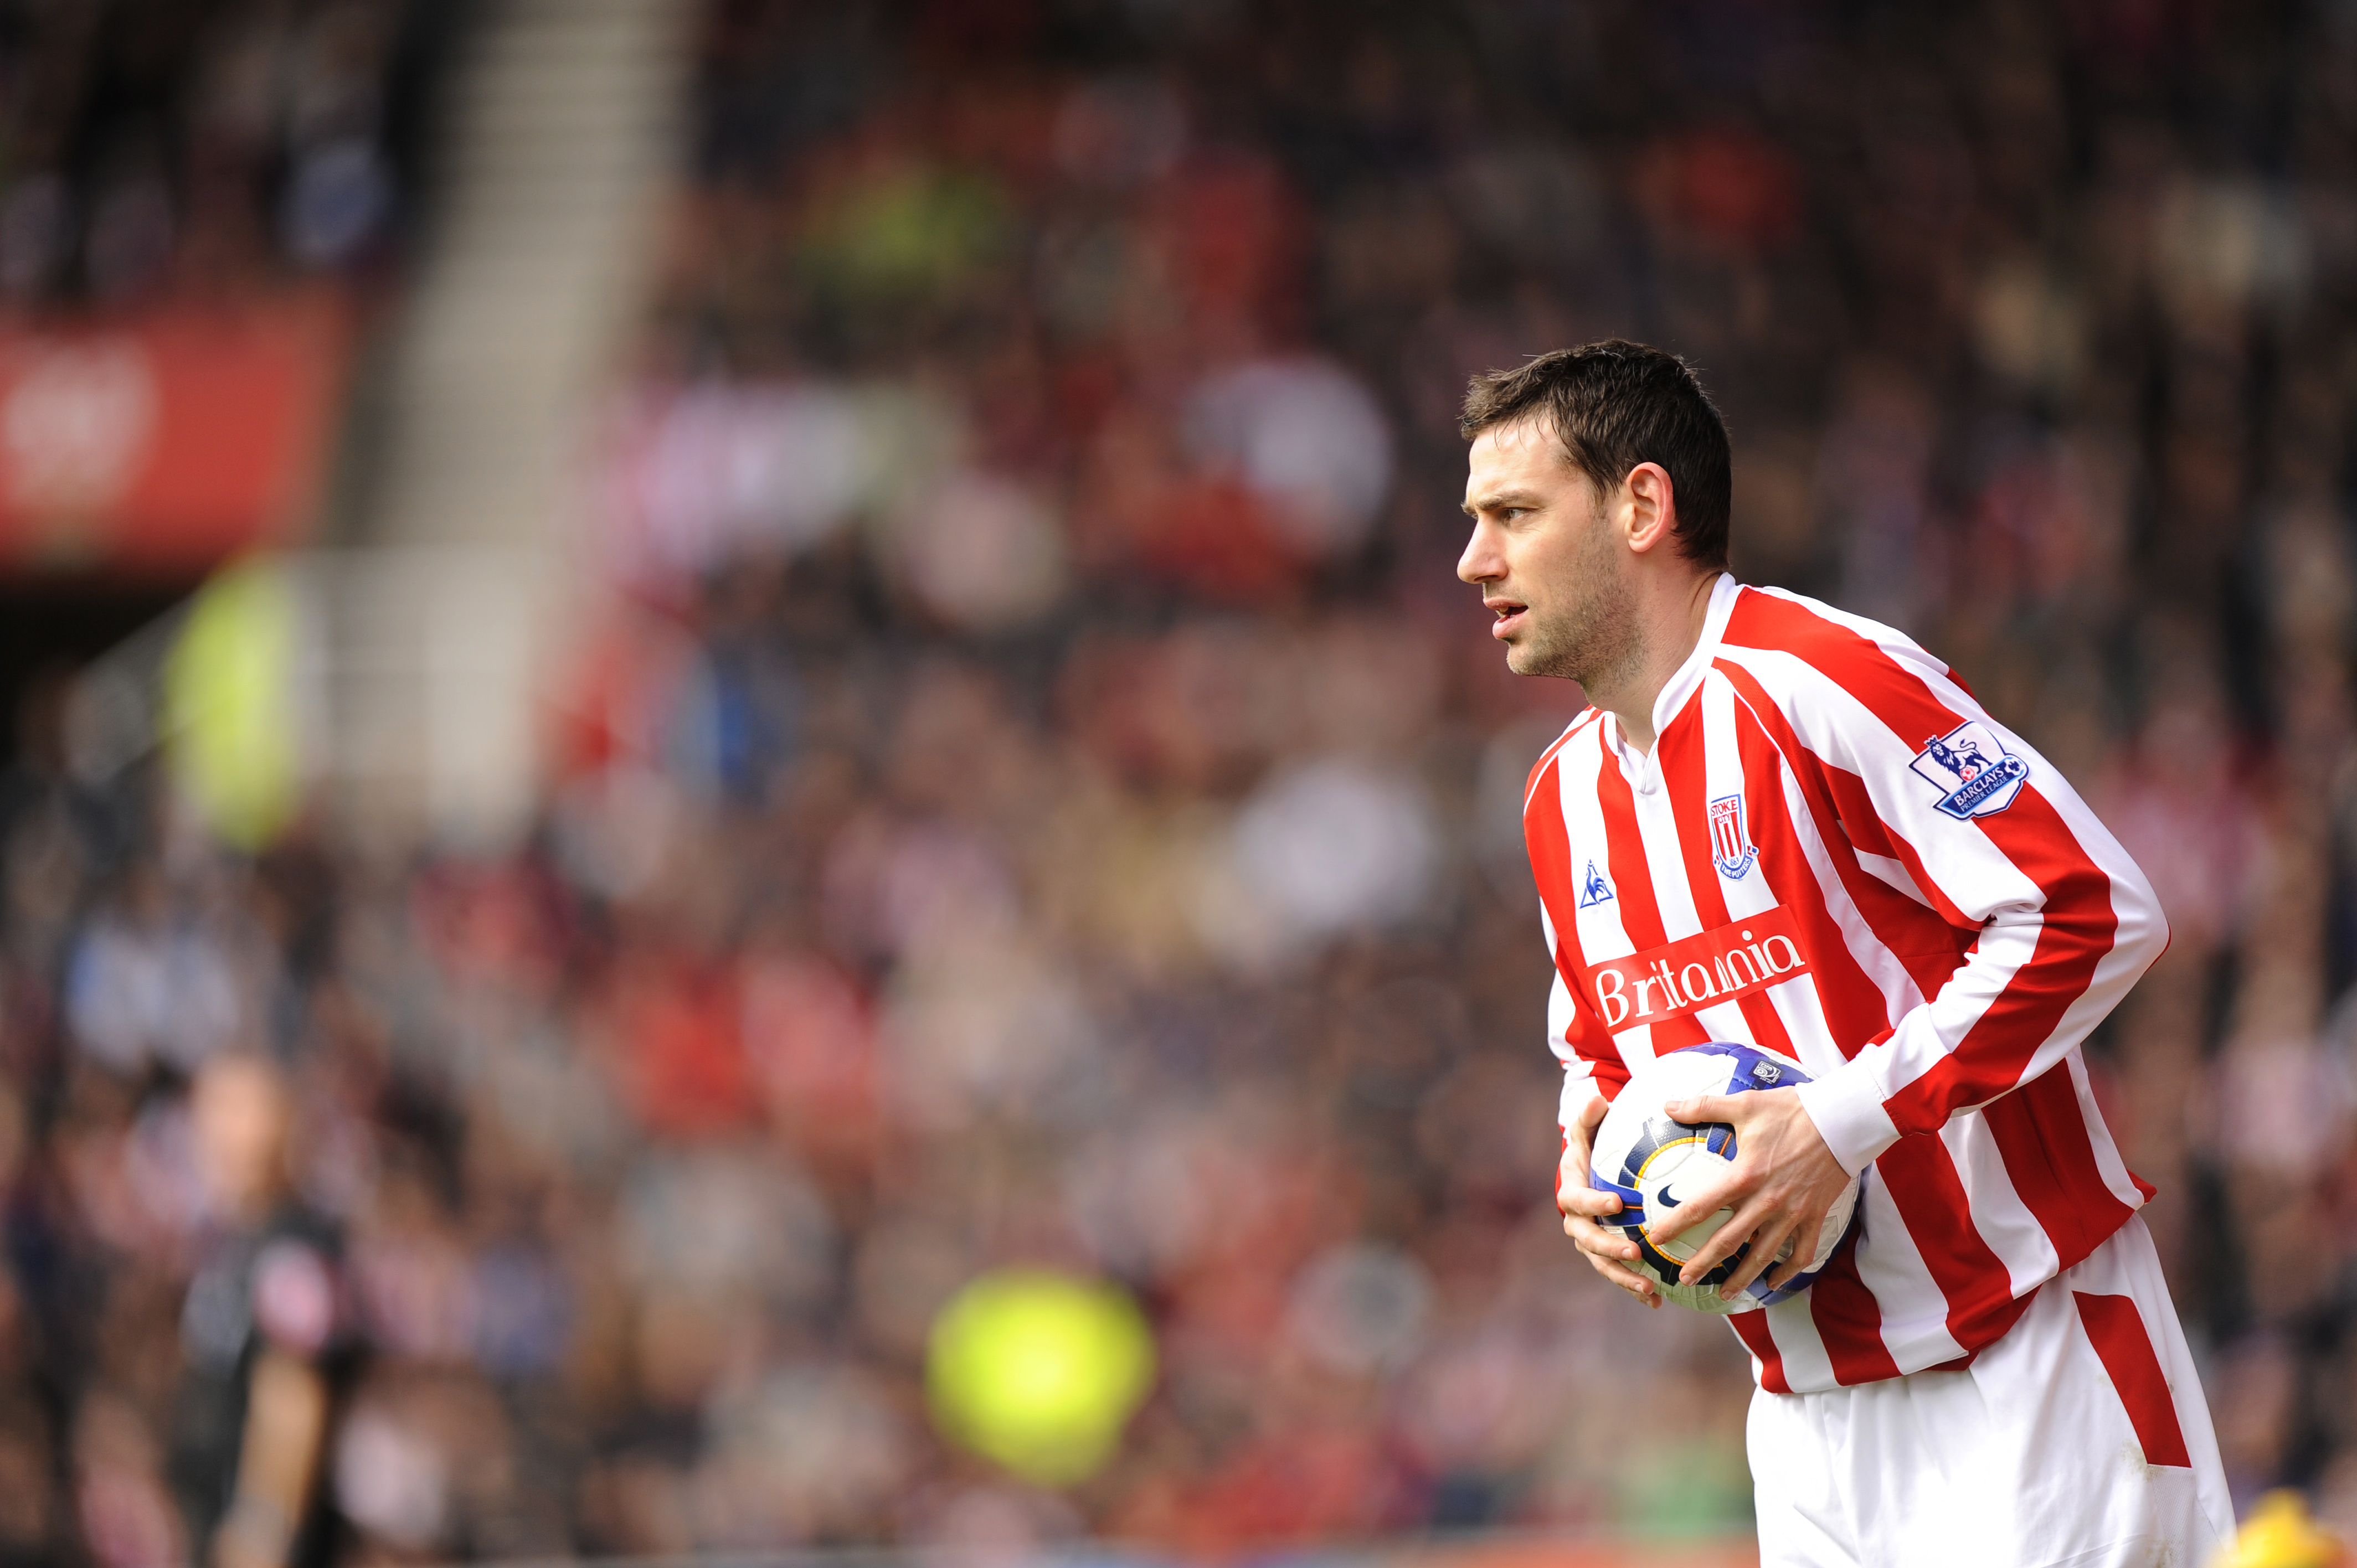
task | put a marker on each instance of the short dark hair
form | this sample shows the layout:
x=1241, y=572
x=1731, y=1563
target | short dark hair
x=1614, y=405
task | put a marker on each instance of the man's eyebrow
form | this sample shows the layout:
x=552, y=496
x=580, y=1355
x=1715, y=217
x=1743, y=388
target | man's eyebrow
x=1498, y=499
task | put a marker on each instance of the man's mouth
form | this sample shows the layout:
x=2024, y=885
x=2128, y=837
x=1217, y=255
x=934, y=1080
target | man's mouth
x=1509, y=615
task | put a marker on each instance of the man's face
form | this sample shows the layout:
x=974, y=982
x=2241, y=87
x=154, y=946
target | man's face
x=1543, y=555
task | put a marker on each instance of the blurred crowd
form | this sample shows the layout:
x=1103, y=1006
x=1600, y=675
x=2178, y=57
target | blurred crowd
x=1036, y=793
x=192, y=148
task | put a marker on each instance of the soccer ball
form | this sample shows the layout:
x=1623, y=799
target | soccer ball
x=1645, y=1158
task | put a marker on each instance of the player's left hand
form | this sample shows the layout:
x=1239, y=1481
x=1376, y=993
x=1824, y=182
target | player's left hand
x=1781, y=1182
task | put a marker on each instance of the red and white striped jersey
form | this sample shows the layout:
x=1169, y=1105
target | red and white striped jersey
x=1833, y=852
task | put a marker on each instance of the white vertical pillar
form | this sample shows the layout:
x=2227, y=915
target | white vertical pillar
x=444, y=615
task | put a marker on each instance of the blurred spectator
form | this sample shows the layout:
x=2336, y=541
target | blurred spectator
x=205, y=145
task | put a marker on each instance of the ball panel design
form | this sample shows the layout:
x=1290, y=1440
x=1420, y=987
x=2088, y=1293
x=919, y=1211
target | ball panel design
x=1691, y=1162
x=1640, y=1151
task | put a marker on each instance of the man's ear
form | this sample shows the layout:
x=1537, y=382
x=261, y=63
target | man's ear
x=1652, y=506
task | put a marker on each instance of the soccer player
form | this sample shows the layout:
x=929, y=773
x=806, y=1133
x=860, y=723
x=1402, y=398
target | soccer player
x=265, y=1354
x=1784, y=825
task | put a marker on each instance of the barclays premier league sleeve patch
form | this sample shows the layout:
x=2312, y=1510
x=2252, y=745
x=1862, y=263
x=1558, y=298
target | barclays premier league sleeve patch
x=1974, y=775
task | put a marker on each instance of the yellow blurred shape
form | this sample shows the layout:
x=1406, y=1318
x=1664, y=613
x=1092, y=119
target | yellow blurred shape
x=2280, y=1534
x=229, y=703
x=1040, y=1371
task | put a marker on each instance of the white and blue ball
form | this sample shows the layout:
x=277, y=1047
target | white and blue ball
x=1650, y=1161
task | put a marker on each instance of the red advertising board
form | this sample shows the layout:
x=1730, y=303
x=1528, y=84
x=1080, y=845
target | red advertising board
x=165, y=442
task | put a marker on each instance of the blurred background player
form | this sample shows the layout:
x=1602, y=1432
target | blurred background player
x=262, y=1330
x=1989, y=1369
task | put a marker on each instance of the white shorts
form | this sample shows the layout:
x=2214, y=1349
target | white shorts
x=2079, y=1439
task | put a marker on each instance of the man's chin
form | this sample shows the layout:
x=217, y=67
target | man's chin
x=1525, y=657
x=1522, y=658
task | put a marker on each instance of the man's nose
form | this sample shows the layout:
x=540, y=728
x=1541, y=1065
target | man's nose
x=1480, y=563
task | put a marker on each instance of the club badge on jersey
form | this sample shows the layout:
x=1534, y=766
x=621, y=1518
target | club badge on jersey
x=1975, y=776
x=1730, y=843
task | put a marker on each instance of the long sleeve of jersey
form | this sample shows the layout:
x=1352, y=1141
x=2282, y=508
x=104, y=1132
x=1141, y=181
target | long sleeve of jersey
x=1592, y=1062
x=1591, y=1066
x=1950, y=808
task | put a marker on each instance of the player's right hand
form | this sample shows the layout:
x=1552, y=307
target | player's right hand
x=1609, y=1253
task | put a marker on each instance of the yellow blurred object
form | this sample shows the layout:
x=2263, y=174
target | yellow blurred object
x=2280, y=1534
x=1040, y=1371
x=229, y=704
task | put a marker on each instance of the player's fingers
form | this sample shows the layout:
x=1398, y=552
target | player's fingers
x=1741, y=1226
x=1588, y=1200
x=1697, y=1109
x=1667, y=1220
x=1805, y=1248
x=1635, y=1284
x=1665, y=1224
x=1765, y=1244
x=1763, y=1252
x=1595, y=1241
x=1571, y=1169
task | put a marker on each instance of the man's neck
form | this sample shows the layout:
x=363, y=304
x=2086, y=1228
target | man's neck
x=1671, y=626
